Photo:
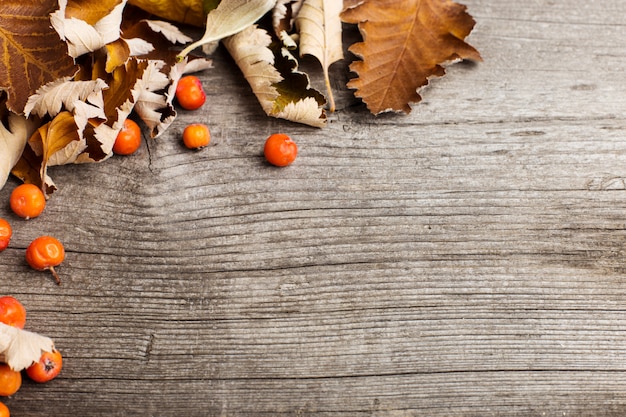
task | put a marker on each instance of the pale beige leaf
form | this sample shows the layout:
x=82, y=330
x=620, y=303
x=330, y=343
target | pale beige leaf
x=284, y=13
x=63, y=93
x=138, y=46
x=81, y=37
x=271, y=72
x=20, y=348
x=12, y=142
x=171, y=32
x=230, y=17
x=319, y=24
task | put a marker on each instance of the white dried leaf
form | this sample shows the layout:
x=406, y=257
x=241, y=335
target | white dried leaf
x=171, y=32
x=138, y=46
x=52, y=97
x=20, y=348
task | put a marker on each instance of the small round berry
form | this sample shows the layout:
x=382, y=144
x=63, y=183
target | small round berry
x=12, y=312
x=128, y=139
x=48, y=367
x=27, y=201
x=4, y=410
x=5, y=234
x=44, y=253
x=189, y=93
x=196, y=136
x=10, y=380
x=280, y=150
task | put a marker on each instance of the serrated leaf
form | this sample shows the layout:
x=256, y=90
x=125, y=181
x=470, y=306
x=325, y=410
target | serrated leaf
x=63, y=93
x=284, y=14
x=20, y=348
x=32, y=52
x=405, y=42
x=169, y=31
x=319, y=26
x=271, y=71
x=228, y=18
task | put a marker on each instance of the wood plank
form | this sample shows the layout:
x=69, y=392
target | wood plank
x=464, y=260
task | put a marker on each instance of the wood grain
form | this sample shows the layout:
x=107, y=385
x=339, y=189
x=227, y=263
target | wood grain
x=464, y=260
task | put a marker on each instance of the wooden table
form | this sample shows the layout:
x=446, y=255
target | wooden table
x=465, y=260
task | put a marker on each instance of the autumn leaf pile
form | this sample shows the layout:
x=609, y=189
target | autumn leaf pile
x=73, y=70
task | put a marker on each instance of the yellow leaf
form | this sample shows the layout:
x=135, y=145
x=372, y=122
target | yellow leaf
x=190, y=12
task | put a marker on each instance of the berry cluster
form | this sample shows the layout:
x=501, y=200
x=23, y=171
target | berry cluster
x=13, y=313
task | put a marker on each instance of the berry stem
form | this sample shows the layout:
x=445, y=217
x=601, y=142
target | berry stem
x=55, y=275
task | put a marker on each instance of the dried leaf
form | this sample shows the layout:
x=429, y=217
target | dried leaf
x=82, y=37
x=169, y=31
x=319, y=25
x=20, y=348
x=183, y=11
x=12, y=143
x=272, y=73
x=404, y=43
x=230, y=17
x=284, y=14
x=32, y=52
x=63, y=93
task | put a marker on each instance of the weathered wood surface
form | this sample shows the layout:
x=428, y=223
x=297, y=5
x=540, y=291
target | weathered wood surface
x=465, y=260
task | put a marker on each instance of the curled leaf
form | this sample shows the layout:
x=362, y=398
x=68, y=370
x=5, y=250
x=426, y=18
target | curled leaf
x=20, y=348
x=12, y=143
x=82, y=37
x=271, y=71
x=320, y=35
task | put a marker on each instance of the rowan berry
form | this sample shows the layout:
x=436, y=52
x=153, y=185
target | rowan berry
x=196, y=136
x=189, y=93
x=4, y=410
x=128, y=139
x=44, y=253
x=10, y=380
x=5, y=234
x=12, y=312
x=47, y=368
x=280, y=150
x=27, y=201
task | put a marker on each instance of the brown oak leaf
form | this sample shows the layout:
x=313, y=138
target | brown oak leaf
x=32, y=52
x=404, y=43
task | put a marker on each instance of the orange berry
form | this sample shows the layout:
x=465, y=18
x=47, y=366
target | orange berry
x=280, y=150
x=196, y=136
x=5, y=234
x=27, y=201
x=10, y=380
x=48, y=367
x=12, y=312
x=44, y=253
x=128, y=139
x=4, y=410
x=189, y=93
